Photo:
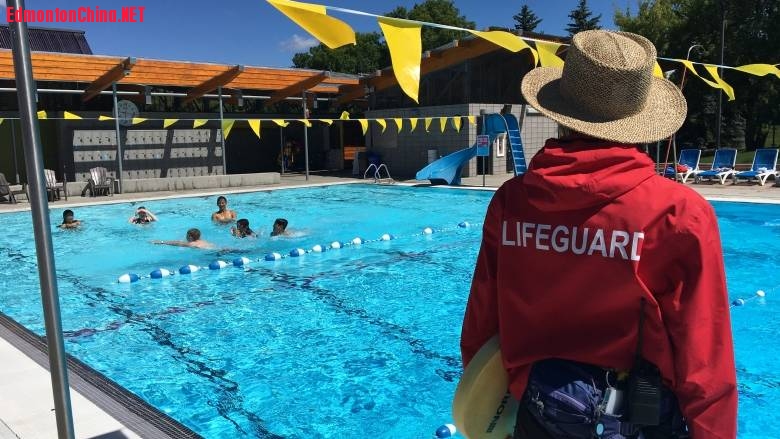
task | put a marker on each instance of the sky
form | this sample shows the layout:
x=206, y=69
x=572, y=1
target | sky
x=253, y=33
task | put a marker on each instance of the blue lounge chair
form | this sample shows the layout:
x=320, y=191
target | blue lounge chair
x=764, y=165
x=689, y=158
x=722, y=166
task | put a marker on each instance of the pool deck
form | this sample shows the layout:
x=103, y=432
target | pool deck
x=26, y=406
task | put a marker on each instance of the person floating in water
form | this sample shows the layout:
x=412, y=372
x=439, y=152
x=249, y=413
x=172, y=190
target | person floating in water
x=223, y=215
x=280, y=228
x=242, y=230
x=142, y=216
x=68, y=222
x=193, y=240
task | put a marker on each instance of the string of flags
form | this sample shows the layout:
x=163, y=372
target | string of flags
x=255, y=124
x=403, y=39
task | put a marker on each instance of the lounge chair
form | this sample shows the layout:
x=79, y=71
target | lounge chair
x=9, y=192
x=722, y=166
x=99, y=182
x=53, y=187
x=764, y=165
x=689, y=159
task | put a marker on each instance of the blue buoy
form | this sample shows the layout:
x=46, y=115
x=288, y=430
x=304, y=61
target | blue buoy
x=273, y=257
x=240, y=262
x=128, y=278
x=357, y=241
x=188, y=269
x=738, y=302
x=464, y=224
x=386, y=237
x=297, y=252
x=445, y=431
x=159, y=273
x=317, y=249
x=335, y=245
x=217, y=265
x=427, y=230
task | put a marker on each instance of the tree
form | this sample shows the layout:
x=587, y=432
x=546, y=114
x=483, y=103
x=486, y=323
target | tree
x=435, y=11
x=367, y=55
x=526, y=20
x=581, y=19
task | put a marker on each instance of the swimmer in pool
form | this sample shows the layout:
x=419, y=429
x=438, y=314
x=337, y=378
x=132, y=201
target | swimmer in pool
x=193, y=240
x=223, y=215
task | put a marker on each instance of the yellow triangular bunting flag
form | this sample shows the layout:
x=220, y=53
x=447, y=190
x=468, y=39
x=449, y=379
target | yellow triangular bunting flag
x=657, y=72
x=314, y=19
x=2, y=120
x=443, y=123
x=344, y=116
x=547, y=55
x=363, y=125
x=70, y=116
x=405, y=44
x=399, y=123
x=199, y=123
x=137, y=120
x=281, y=122
x=413, y=122
x=227, y=125
x=327, y=121
x=382, y=124
x=255, y=125
x=456, y=122
x=713, y=71
x=760, y=69
x=169, y=122
x=42, y=115
x=472, y=119
x=102, y=118
x=507, y=40
x=428, y=121
x=305, y=122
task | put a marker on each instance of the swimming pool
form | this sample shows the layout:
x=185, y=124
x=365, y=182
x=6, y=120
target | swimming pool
x=356, y=342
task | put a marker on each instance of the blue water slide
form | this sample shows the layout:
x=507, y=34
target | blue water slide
x=447, y=169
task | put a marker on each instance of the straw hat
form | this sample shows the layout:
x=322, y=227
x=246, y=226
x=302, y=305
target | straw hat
x=607, y=90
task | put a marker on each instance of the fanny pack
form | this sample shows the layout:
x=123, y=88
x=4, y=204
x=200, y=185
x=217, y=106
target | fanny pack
x=567, y=400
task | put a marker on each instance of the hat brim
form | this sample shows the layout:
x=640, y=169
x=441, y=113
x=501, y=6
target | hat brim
x=663, y=114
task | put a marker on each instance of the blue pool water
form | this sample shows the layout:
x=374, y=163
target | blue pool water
x=358, y=342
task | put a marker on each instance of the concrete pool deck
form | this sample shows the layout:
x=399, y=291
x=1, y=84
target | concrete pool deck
x=25, y=387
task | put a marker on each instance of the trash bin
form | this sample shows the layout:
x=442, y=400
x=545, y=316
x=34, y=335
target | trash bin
x=433, y=155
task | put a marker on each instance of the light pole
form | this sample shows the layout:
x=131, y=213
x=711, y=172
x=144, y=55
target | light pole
x=720, y=72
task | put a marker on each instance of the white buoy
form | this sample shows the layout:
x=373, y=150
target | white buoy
x=273, y=256
x=335, y=245
x=357, y=241
x=218, y=265
x=427, y=230
x=464, y=225
x=188, y=269
x=317, y=249
x=297, y=252
x=159, y=273
x=240, y=262
x=760, y=293
x=128, y=278
x=386, y=237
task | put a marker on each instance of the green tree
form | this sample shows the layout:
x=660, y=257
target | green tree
x=526, y=20
x=582, y=19
x=435, y=11
x=367, y=55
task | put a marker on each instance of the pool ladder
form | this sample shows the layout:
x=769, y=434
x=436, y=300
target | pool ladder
x=378, y=174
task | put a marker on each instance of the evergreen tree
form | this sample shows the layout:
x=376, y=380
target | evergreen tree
x=581, y=19
x=526, y=20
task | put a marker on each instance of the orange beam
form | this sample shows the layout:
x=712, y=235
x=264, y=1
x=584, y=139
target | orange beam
x=296, y=88
x=463, y=51
x=118, y=72
x=220, y=80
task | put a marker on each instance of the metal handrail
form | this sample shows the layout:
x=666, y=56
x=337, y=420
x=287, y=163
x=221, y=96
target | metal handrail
x=378, y=174
x=368, y=169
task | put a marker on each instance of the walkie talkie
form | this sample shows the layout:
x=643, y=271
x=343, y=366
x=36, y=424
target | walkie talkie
x=644, y=386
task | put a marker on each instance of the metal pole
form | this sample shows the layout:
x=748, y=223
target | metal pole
x=222, y=137
x=13, y=148
x=118, y=138
x=720, y=72
x=39, y=206
x=281, y=147
x=305, y=137
x=484, y=159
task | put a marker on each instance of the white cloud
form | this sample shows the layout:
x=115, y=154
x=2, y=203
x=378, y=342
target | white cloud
x=296, y=43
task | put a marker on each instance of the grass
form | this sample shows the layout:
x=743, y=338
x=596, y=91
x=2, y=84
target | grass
x=743, y=157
